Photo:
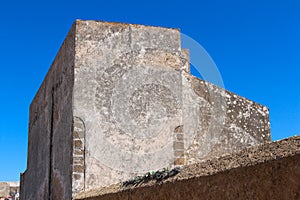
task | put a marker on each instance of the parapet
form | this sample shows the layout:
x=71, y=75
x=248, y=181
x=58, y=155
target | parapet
x=268, y=171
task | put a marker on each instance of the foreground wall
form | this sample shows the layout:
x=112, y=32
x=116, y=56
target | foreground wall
x=270, y=171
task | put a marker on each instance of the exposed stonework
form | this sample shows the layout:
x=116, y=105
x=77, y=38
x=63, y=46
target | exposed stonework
x=178, y=146
x=269, y=171
x=78, y=155
x=119, y=101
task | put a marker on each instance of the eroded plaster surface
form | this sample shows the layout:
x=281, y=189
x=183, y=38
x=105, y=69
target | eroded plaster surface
x=216, y=121
x=128, y=92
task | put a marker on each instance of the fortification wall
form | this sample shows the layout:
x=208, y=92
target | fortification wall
x=269, y=171
x=127, y=93
x=118, y=101
x=142, y=110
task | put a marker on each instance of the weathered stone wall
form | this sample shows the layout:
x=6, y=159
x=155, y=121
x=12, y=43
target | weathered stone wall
x=127, y=93
x=119, y=101
x=48, y=174
x=132, y=91
x=216, y=121
x=269, y=171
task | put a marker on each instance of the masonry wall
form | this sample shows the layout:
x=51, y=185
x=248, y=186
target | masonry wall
x=118, y=101
x=127, y=94
x=273, y=180
x=216, y=121
x=269, y=171
x=49, y=165
x=143, y=111
x=78, y=176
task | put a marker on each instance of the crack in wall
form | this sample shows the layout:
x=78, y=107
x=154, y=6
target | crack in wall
x=51, y=146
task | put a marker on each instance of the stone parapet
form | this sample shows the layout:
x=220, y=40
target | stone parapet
x=268, y=171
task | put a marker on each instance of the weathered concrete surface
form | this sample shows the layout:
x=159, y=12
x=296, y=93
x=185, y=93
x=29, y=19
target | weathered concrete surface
x=269, y=171
x=119, y=101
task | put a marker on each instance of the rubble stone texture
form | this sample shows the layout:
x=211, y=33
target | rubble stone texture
x=119, y=101
x=268, y=171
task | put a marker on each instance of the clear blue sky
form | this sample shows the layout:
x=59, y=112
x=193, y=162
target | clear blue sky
x=255, y=44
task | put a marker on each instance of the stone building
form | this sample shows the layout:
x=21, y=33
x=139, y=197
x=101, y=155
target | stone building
x=119, y=101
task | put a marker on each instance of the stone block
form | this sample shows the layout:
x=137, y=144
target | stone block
x=178, y=145
x=179, y=161
x=178, y=153
x=179, y=137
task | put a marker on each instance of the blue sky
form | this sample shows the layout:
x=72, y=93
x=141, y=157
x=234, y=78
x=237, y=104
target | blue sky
x=255, y=45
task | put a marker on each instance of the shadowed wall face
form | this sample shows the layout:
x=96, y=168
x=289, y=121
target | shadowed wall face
x=48, y=174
